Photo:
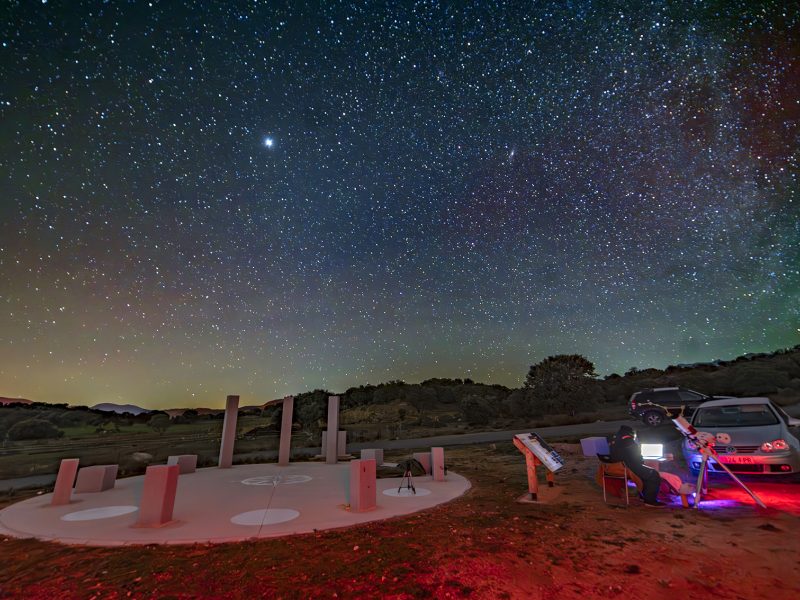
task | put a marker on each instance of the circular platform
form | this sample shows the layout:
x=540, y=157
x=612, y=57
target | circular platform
x=223, y=505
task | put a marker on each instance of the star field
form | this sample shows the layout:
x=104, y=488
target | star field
x=267, y=197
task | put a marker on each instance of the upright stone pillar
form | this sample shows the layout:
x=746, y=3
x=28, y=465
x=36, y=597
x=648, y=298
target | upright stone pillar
x=228, y=432
x=331, y=443
x=285, y=448
x=158, y=495
x=437, y=464
x=64, y=480
x=374, y=453
x=362, y=485
x=424, y=459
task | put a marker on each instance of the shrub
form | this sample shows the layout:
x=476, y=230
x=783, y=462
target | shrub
x=34, y=429
x=159, y=422
x=477, y=410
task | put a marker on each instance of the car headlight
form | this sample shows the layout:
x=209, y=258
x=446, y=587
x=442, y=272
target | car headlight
x=774, y=446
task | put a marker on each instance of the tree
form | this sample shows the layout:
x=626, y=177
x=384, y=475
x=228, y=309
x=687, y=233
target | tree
x=562, y=383
x=311, y=408
x=159, y=422
x=420, y=397
x=34, y=429
x=477, y=410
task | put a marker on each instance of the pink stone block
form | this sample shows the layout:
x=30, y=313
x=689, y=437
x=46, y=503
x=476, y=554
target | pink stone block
x=228, y=432
x=341, y=443
x=424, y=459
x=362, y=485
x=331, y=442
x=97, y=478
x=285, y=447
x=374, y=453
x=64, y=480
x=186, y=462
x=158, y=495
x=437, y=464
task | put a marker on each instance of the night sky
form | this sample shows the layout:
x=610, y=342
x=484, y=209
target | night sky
x=261, y=198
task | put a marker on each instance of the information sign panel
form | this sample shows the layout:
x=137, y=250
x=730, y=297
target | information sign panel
x=541, y=450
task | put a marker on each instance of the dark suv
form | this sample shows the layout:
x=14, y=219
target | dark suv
x=649, y=405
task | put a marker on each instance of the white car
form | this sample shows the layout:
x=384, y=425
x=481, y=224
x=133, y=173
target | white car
x=761, y=440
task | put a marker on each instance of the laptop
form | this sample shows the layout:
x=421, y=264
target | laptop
x=652, y=451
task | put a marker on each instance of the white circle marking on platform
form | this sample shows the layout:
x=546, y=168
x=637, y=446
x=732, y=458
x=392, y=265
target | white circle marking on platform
x=276, y=479
x=270, y=516
x=104, y=512
x=405, y=492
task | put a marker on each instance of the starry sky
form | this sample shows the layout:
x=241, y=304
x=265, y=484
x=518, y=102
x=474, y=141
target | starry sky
x=261, y=198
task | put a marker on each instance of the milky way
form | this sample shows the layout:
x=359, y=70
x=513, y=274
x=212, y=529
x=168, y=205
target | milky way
x=263, y=198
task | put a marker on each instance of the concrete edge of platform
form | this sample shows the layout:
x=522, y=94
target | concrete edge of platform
x=263, y=535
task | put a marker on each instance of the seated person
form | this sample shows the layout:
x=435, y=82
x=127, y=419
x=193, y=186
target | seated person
x=625, y=448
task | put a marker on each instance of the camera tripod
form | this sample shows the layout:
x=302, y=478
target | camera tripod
x=408, y=479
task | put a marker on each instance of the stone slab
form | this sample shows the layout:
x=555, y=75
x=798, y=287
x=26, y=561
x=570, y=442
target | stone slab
x=62, y=492
x=375, y=454
x=187, y=463
x=437, y=464
x=362, y=485
x=285, y=446
x=228, y=432
x=158, y=495
x=424, y=459
x=331, y=441
x=97, y=478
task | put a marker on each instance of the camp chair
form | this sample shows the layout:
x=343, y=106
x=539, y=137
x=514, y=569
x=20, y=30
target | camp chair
x=612, y=476
x=612, y=471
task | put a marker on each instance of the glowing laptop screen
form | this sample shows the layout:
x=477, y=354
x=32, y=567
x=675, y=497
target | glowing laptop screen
x=652, y=450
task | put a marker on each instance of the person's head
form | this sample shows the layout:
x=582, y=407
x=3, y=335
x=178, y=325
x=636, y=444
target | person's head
x=626, y=431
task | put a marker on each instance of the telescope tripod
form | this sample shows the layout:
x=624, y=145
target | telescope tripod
x=408, y=479
x=702, y=477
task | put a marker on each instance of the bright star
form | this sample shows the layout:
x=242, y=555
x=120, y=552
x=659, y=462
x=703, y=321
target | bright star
x=269, y=142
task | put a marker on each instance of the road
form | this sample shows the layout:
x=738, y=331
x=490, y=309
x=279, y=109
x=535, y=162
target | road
x=462, y=439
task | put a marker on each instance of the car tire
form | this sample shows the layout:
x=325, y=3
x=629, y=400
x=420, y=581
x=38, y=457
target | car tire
x=653, y=418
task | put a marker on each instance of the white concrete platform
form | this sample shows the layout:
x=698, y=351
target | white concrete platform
x=222, y=505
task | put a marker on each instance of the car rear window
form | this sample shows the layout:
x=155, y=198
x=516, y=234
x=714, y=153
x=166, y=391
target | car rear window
x=743, y=415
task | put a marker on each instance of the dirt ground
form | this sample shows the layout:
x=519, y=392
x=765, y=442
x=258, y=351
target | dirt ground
x=483, y=545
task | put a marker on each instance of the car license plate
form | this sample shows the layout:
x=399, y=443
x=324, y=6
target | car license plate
x=737, y=460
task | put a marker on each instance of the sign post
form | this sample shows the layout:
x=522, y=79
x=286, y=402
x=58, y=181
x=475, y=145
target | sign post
x=537, y=452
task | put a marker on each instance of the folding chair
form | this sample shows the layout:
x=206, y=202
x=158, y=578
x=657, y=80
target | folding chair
x=608, y=470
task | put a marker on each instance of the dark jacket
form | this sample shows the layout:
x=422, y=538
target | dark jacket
x=624, y=448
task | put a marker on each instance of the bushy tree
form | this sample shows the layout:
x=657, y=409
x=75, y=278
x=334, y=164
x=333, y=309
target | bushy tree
x=562, y=383
x=34, y=429
x=159, y=422
x=477, y=410
x=310, y=408
x=420, y=397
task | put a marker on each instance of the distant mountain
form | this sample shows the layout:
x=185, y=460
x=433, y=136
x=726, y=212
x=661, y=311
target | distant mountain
x=4, y=401
x=120, y=408
x=177, y=412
